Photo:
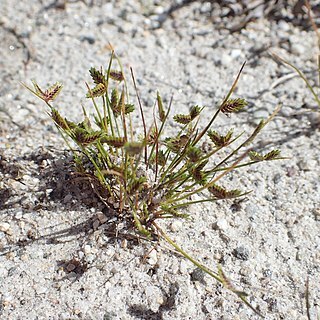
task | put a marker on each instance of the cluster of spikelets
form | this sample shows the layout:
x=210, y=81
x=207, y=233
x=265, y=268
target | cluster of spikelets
x=152, y=177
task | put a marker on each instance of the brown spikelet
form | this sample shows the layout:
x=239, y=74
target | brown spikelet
x=116, y=142
x=161, y=158
x=176, y=144
x=128, y=108
x=233, y=105
x=97, y=91
x=255, y=156
x=272, y=155
x=86, y=123
x=119, y=171
x=182, y=118
x=116, y=75
x=120, y=107
x=228, y=284
x=194, y=154
x=161, y=112
x=97, y=76
x=152, y=136
x=83, y=137
x=37, y=89
x=114, y=99
x=194, y=112
x=71, y=124
x=52, y=92
x=187, y=118
x=197, y=173
x=121, y=103
x=256, y=131
x=221, y=193
x=58, y=119
x=219, y=140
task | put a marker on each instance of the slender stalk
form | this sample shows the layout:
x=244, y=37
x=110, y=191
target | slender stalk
x=142, y=116
x=186, y=255
x=218, y=111
x=213, y=274
x=208, y=185
x=127, y=94
x=302, y=76
x=94, y=103
x=161, y=128
x=188, y=203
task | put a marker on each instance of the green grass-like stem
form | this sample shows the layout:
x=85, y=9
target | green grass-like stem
x=211, y=273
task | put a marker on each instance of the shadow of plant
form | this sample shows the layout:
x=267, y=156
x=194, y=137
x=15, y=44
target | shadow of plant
x=144, y=313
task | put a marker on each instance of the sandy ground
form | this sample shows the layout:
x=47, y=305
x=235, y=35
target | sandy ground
x=57, y=261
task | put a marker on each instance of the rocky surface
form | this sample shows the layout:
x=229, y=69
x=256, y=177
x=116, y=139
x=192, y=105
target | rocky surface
x=57, y=261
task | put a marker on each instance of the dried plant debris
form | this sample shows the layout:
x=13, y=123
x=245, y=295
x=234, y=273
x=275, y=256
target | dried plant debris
x=234, y=15
x=150, y=178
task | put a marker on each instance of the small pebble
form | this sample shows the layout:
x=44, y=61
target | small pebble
x=22, y=224
x=87, y=249
x=244, y=271
x=67, y=198
x=304, y=165
x=283, y=25
x=70, y=267
x=217, y=255
x=316, y=213
x=159, y=10
x=124, y=244
x=220, y=224
x=316, y=258
x=88, y=38
x=102, y=217
x=19, y=215
x=24, y=257
x=267, y=273
x=81, y=255
x=241, y=253
x=277, y=178
x=298, y=255
x=314, y=118
x=41, y=289
x=197, y=275
x=226, y=60
x=90, y=258
x=298, y=49
x=153, y=258
x=4, y=227
x=235, y=53
x=96, y=224
x=176, y=225
x=184, y=266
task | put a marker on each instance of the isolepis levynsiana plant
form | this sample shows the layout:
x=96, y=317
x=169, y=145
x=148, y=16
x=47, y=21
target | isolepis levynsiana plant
x=153, y=176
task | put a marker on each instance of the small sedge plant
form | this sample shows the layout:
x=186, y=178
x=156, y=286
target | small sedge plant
x=310, y=87
x=145, y=179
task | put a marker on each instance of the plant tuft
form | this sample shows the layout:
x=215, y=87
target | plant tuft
x=151, y=178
